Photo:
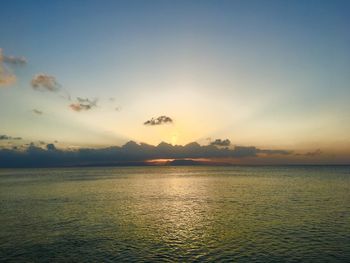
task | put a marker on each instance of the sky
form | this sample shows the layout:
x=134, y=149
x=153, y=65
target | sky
x=273, y=75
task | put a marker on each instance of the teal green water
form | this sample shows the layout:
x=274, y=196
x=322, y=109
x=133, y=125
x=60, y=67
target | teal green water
x=172, y=214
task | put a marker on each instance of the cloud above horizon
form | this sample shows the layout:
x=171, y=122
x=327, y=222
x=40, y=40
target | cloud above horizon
x=6, y=137
x=314, y=153
x=34, y=156
x=7, y=78
x=38, y=112
x=15, y=60
x=83, y=104
x=45, y=82
x=219, y=142
x=159, y=121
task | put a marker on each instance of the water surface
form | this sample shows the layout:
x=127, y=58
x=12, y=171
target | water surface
x=193, y=214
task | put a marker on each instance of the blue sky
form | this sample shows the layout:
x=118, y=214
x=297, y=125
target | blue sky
x=264, y=73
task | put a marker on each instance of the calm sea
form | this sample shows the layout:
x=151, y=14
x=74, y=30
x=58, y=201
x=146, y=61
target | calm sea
x=187, y=214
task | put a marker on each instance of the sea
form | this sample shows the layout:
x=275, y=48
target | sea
x=176, y=214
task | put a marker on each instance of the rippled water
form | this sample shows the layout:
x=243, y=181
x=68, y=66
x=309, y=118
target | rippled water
x=240, y=214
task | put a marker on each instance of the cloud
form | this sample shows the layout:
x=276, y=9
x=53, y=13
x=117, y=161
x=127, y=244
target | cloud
x=269, y=152
x=6, y=77
x=44, y=82
x=158, y=121
x=12, y=59
x=314, y=153
x=130, y=153
x=38, y=112
x=15, y=60
x=51, y=147
x=65, y=95
x=83, y=104
x=6, y=137
x=219, y=142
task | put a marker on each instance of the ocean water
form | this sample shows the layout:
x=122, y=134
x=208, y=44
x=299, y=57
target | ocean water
x=175, y=214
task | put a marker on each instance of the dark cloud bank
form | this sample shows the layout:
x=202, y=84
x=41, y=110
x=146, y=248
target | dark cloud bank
x=129, y=154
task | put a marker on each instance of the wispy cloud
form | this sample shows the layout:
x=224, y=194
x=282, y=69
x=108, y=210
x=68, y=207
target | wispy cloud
x=38, y=112
x=159, y=121
x=83, y=104
x=44, y=82
x=65, y=95
x=219, y=142
x=15, y=60
x=314, y=153
x=12, y=59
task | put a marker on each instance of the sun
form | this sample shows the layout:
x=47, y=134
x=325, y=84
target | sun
x=174, y=138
